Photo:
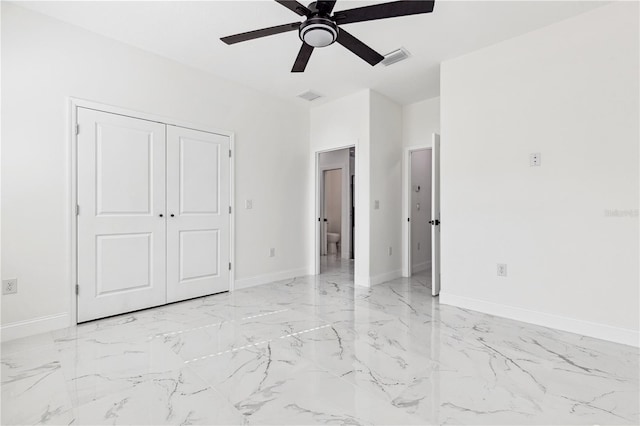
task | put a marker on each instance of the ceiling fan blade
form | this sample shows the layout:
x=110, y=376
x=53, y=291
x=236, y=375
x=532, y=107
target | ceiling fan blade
x=296, y=7
x=382, y=11
x=325, y=6
x=250, y=35
x=303, y=58
x=358, y=47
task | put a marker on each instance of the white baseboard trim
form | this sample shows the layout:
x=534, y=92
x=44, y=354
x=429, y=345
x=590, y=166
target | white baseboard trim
x=585, y=328
x=19, y=329
x=419, y=267
x=383, y=278
x=269, y=278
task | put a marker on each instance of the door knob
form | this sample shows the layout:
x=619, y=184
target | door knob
x=161, y=215
x=172, y=215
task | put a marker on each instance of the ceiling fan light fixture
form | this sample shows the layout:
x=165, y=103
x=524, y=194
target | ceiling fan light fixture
x=318, y=32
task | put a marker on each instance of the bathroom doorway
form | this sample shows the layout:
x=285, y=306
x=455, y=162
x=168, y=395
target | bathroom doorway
x=336, y=209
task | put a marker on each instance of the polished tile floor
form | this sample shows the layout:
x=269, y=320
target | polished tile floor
x=316, y=350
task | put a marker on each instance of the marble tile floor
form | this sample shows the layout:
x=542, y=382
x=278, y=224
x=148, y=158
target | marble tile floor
x=317, y=350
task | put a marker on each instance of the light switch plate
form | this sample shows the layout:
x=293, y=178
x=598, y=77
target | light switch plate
x=502, y=269
x=376, y=204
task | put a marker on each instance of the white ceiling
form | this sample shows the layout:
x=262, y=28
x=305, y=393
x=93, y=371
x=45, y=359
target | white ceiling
x=189, y=32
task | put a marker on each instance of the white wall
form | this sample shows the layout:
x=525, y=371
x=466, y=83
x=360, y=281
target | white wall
x=420, y=210
x=570, y=92
x=419, y=121
x=373, y=124
x=386, y=184
x=44, y=61
x=334, y=125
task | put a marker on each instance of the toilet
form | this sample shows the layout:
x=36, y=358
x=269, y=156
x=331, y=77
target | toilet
x=332, y=242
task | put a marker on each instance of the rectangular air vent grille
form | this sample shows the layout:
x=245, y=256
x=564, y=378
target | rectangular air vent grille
x=395, y=56
x=309, y=95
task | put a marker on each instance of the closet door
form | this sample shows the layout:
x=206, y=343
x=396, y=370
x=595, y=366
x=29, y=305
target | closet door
x=121, y=224
x=198, y=213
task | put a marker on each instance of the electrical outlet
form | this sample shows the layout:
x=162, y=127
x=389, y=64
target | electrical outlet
x=535, y=159
x=10, y=286
x=376, y=204
x=390, y=251
x=248, y=204
x=272, y=252
x=502, y=269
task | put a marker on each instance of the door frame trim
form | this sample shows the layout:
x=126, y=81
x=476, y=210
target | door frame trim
x=406, y=207
x=72, y=183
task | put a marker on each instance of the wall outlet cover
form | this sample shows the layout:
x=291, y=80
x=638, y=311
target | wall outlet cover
x=535, y=159
x=376, y=204
x=10, y=286
x=248, y=204
x=272, y=252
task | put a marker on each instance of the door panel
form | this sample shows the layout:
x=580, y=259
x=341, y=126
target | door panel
x=199, y=180
x=435, y=216
x=198, y=224
x=199, y=254
x=124, y=159
x=123, y=262
x=121, y=193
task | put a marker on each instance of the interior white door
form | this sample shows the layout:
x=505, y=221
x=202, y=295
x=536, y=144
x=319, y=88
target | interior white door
x=198, y=222
x=435, y=216
x=121, y=201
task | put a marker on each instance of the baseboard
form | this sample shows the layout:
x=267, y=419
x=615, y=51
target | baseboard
x=383, y=278
x=269, y=278
x=585, y=328
x=419, y=267
x=19, y=329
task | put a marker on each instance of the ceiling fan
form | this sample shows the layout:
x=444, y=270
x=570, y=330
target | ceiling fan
x=320, y=28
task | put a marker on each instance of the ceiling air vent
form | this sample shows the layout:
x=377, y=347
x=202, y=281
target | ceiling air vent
x=395, y=56
x=309, y=95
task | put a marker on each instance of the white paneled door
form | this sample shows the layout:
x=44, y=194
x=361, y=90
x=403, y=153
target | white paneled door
x=154, y=219
x=198, y=213
x=121, y=224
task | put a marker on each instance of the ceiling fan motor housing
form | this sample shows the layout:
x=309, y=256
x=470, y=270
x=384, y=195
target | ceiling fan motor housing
x=318, y=31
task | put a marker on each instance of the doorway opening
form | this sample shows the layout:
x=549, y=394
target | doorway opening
x=336, y=210
x=422, y=234
x=420, y=202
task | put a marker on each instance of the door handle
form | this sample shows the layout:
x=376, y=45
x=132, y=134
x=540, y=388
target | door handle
x=172, y=215
x=161, y=215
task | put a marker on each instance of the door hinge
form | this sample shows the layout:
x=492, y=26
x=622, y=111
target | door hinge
x=77, y=210
x=77, y=129
x=229, y=265
x=229, y=209
x=229, y=153
x=77, y=289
